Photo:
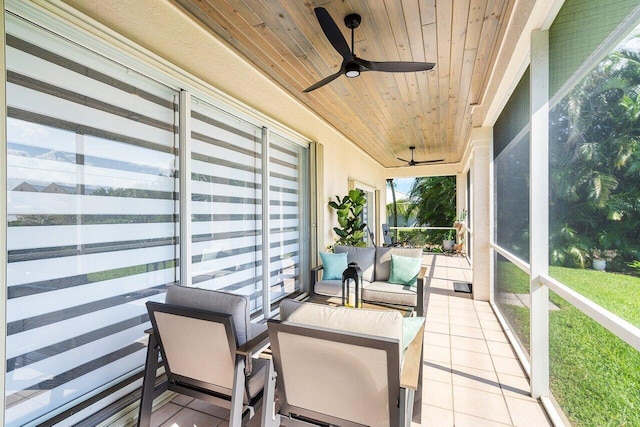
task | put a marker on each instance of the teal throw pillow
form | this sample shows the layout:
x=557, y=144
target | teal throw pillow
x=410, y=328
x=405, y=270
x=333, y=265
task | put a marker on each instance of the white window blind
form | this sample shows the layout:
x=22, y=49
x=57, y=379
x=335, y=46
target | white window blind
x=91, y=218
x=226, y=193
x=287, y=215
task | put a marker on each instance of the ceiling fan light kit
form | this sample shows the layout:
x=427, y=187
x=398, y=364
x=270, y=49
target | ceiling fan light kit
x=351, y=65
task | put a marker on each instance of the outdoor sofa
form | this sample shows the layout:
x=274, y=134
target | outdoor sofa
x=391, y=275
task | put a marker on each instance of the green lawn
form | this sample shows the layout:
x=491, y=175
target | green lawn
x=594, y=375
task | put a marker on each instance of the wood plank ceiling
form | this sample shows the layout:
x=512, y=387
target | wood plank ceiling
x=383, y=113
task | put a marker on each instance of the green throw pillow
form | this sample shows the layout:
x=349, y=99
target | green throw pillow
x=410, y=328
x=333, y=265
x=405, y=270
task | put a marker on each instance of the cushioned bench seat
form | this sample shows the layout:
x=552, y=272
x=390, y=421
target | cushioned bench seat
x=376, y=265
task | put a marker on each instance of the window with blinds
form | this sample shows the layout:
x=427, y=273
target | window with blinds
x=93, y=213
x=226, y=194
x=288, y=227
x=92, y=201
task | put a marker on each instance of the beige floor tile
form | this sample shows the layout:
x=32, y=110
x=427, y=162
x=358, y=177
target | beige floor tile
x=471, y=359
x=466, y=420
x=470, y=344
x=438, y=394
x=435, y=353
x=500, y=349
x=436, y=371
x=508, y=365
x=433, y=338
x=463, y=313
x=190, y=418
x=441, y=328
x=477, y=379
x=525, y=413
x=164, y=413
x=486, y=315
x=461, y=301
x=464, y=321
x=182, y=400
x=442, y=309
x=208, y=408
x=483, y=306
x=437, y=317
x=515, y=386
x=436, y=300
x=497, y=336
x=481, y=404
x=490, y=325
x=432, y=416
x=466, y=331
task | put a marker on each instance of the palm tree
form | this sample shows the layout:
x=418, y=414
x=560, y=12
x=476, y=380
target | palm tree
x=595, y=164
x=433, y=200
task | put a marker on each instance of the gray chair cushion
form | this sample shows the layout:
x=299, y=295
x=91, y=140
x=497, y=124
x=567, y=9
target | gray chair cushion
x=364, y=257
x=216, y=301
x=383, y=260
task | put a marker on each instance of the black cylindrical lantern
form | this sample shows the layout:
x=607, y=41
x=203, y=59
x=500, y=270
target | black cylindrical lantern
x=353, y=272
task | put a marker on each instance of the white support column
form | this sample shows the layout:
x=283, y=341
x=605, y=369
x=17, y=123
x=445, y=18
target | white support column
x=539, y=212
x=185, y=187
x=480, y=207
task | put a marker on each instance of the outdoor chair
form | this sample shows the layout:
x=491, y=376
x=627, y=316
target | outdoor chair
x=343, y=366
x=207, y=345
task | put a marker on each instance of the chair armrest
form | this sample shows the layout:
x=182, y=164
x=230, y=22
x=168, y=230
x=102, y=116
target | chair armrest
x=412, y=361
x=314, y=279
x=420, y=292
x=256, y=345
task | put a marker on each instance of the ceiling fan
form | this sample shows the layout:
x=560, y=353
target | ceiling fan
x=352, y=66
x=418, y=162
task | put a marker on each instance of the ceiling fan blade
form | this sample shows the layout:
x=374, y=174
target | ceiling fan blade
x=332, y=32
x=324, y=81
x=402, y=160
x=394, y=66
x=419, y=162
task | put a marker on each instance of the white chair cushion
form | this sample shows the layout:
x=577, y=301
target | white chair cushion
x=390, y=293
x=383, y=323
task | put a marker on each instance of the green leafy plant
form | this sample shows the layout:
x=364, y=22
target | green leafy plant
x=349, y=210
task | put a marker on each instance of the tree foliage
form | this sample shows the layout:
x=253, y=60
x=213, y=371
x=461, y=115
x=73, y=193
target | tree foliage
x=595, y=165
x=433, y=200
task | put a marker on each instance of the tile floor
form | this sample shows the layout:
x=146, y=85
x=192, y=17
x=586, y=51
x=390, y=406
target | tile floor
x=471, y=375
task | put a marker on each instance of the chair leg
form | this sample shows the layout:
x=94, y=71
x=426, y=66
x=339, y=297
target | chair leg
x=148, y=383
x=406, y=405
x=237, y=398
x=269, y=416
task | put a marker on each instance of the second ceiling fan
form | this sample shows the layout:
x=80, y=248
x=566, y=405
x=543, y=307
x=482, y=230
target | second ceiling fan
x=351, y=65
x=418, y=162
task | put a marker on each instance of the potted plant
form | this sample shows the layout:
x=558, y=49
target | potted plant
x=461, y=229
x=598, y=261
x=448, y=242
x=349, y=210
